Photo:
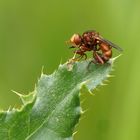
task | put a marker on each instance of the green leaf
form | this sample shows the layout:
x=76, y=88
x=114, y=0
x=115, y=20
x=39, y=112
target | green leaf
x=53, y=109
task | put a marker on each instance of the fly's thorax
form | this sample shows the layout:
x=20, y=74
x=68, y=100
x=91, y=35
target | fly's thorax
x=88, y=38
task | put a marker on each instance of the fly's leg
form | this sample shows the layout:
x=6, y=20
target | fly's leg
x=81, y=55
x=97, y=59
x=72, y=60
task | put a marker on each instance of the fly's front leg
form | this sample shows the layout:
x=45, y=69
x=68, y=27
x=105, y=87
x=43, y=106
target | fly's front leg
x=81, y=55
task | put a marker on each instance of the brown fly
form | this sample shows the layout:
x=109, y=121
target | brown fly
x=92, y=41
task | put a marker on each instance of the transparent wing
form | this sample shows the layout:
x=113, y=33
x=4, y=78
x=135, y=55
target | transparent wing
x=109, y=42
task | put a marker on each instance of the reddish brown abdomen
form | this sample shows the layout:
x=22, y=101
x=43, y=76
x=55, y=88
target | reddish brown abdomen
x=106, y=50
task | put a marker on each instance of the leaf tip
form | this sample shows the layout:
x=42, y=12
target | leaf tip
x=42, y=70
x=91, y=93
x=60, y=63
x=17, y=93
x=84, y=111
x=75, y=133
x=9, y=109
x=108, y=76
x=103, y=84
x=112, y=60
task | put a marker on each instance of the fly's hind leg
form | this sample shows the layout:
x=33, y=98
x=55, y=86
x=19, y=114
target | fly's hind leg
x=97, y=59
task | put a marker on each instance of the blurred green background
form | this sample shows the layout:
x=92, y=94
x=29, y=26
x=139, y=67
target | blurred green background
x=33, y=34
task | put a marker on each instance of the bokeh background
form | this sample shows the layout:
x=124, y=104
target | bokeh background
x=33, y=34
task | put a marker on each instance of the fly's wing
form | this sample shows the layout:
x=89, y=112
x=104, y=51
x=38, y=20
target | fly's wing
x=109, y=42
x=113, y=45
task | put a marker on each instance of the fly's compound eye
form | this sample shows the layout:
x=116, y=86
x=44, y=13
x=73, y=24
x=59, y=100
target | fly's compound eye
x=76, y=39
